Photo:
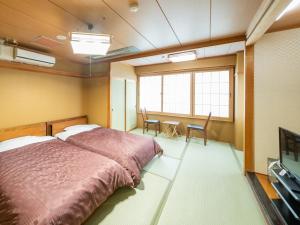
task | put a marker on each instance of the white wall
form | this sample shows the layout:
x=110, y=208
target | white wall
x=276, y=92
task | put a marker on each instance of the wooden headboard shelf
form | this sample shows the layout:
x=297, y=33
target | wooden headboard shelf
x=37, y=129
x=54, y=127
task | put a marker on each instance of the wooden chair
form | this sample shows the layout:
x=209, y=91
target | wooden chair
x=200, y=128
x=147, y=122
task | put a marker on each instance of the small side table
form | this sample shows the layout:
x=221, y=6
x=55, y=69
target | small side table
x=171, y=128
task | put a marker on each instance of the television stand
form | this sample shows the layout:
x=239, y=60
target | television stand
x=288, y=206
x=290, y=184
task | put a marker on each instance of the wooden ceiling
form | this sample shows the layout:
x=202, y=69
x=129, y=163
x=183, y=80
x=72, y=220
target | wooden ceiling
x=158, y=23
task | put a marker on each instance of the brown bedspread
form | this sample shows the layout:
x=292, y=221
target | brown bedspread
x=55, y=183
x=131, y=151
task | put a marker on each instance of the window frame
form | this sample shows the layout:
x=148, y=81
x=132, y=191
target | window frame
x=191, y=115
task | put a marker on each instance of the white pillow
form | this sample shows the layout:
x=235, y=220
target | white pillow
x=67, y=133
x=83, y=126
x=22, y=141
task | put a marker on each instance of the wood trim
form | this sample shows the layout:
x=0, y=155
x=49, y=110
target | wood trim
x=192, y=93
x=267, y=17
x=215, y=68
x=125, y=111
x=37, y=129
x=249, y=110
x=57, y=126
x=231, y=94
x=177, y=48
x=290, y=27
x=108, y=102
x=264, y=202
x=266, y=184
x=32, y=68
x=162, y=94
x=50, y=71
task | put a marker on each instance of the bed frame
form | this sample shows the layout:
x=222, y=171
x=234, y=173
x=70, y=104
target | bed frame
x=37, y=129
x=54, y=127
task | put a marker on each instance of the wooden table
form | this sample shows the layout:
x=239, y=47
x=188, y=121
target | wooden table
x=171, y=128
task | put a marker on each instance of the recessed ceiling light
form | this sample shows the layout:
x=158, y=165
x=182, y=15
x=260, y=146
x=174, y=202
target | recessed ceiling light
x=182, y=56
x=290, y=7
x=61, y=37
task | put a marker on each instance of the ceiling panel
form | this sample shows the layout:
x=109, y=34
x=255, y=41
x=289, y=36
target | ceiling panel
x=232, y=17
x=237, y=47
x=200, y=53
x=148, y=20
x=137, y=62
x=36, y=23
x=218, y=50
x=147, y=29
x=189, y=18
x=105, y=20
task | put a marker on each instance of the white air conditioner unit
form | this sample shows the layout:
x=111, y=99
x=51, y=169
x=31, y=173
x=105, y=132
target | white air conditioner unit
x=6, y=53
x=33, y=58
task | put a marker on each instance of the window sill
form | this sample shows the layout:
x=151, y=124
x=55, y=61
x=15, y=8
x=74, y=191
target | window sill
x=230, y=120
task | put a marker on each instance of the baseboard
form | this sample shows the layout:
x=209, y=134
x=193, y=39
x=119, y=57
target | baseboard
x=265, y=203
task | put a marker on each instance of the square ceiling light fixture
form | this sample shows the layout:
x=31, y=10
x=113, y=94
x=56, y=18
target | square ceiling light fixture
x=182, y=56
x=90, y=43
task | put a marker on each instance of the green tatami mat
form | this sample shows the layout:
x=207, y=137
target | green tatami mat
x=132, y=207
x=163, y=166
x=209, y=189
x=172, y=148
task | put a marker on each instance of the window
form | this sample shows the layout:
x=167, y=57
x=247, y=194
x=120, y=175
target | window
x=150, y=93
x=176, y=93
x=212, y=93
x=193, y=94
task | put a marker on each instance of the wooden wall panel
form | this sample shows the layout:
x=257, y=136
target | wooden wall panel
x=249, y=110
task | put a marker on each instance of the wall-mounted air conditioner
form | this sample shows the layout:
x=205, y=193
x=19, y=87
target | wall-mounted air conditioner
x=6, y=53
x=33, y=58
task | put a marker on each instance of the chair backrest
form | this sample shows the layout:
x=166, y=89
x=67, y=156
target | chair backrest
x=206, y=122
x=144, y=114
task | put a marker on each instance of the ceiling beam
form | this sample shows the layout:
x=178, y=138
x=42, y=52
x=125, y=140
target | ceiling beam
x=173, y=49
x=264, y=18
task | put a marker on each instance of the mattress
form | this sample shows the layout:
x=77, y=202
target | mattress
x=55, y=183
x=131, y=151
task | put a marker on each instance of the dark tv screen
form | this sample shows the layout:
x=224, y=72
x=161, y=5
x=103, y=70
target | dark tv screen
x=290, y=151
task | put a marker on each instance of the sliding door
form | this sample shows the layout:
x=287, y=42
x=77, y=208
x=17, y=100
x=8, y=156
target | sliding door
x=131, y=114
x=118, y=104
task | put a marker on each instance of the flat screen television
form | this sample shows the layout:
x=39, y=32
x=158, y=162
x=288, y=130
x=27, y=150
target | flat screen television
x=289, y=145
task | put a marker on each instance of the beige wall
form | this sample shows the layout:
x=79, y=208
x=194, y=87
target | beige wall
x=96, y=95
x=28, y=97
x=276, y=92
x=239, y=102
x=123, y=71
x=218, y=130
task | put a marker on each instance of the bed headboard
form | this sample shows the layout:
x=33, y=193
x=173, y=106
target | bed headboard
x=54, y=127
x=37, y=129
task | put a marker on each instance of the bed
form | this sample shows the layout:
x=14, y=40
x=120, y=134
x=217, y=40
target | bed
x=131, y=151
x=52, y=182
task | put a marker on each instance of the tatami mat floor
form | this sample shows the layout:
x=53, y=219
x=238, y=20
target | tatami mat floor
x=189, y=185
